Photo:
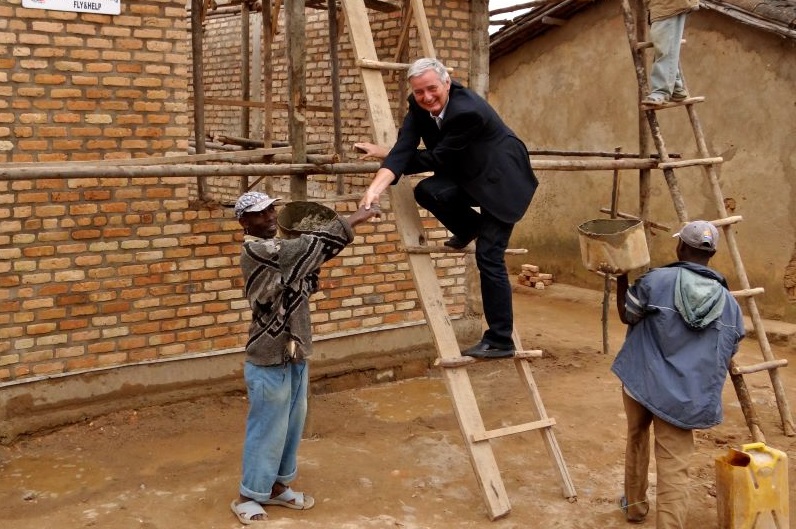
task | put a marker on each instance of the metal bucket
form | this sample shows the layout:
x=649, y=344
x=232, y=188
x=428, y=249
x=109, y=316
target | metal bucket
x=617, y=245
x=302, y=216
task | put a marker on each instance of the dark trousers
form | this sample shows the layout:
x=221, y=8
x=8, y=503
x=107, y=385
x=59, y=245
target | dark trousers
x=452, y=206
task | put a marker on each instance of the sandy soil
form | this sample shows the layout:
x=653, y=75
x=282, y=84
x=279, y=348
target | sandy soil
x=380, y=457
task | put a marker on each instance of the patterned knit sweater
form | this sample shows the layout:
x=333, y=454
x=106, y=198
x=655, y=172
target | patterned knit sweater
x=281, y=275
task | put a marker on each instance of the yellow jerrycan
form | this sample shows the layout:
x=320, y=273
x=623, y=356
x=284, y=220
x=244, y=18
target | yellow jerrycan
x=752, y=488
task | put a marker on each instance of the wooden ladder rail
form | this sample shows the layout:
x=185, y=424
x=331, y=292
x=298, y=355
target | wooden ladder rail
x=736, y=372
x=740, y=271
x=412, y=235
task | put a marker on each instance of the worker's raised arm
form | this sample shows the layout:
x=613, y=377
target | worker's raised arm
x=384, y=177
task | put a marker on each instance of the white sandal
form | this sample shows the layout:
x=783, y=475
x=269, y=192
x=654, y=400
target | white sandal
x=247, y=510
x=292, y=500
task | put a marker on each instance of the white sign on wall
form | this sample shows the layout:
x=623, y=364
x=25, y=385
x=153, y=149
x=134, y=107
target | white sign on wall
x=105, y=7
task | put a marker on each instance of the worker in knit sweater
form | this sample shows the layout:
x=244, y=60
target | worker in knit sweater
x=280, y=276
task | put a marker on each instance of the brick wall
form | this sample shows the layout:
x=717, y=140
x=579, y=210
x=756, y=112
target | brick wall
x=80, y=86
x=103, y=272
x=449, y=25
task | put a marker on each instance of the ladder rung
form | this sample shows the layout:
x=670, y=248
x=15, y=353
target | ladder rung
x=649, y=223
x=690, y=163
x=672, y=104
x=460, y=361
x=381, y=65
x=511, y=430
x=726, y=221
x=748, y=292
x=643, y=45
x=446, y=249
x=386, y=65
x=385, y=6
x=763, y=366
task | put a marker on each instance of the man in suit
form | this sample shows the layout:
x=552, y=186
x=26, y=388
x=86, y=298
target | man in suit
x=477, y=162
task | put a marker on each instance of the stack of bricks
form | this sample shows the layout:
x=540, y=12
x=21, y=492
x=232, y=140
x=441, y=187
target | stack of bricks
x=532, y=277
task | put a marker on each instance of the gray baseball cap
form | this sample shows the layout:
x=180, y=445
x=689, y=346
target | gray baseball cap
x=699, y=234
x=253, y=201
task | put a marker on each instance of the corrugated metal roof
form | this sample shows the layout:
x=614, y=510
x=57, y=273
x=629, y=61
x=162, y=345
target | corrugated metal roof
x=776, y=16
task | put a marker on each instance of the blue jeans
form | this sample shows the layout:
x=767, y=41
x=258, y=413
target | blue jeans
x=277, y=410
x=665, y=35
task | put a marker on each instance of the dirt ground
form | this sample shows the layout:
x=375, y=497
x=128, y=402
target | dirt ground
x=385, y=456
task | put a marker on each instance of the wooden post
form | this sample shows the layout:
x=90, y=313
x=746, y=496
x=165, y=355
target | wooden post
x=334, y=43
x=479, y=83
x=197, y=32
x=256, y=81
x=607, y=279
x=479, y=47
x=788, y=427
x=652, y=119
x=644, y=175
x=245, y=64
x=297, y=96
x=267, y=76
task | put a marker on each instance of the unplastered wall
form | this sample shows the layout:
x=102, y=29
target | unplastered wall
x=379, y=285
x=574, y=88
x=82, y=86
x=450, y=30
x=101, y=273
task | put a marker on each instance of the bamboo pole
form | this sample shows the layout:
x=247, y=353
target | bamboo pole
x=197, y=31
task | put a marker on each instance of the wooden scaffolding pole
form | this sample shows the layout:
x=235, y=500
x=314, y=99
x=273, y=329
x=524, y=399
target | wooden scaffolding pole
x=267, y=77
x=197, y=32
x=644, y=175
x=334, y=59
x=245, y=89
x=297, y=92
x=751, y=305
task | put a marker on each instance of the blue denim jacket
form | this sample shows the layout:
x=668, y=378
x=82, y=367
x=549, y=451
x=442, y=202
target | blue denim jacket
x=675, y=371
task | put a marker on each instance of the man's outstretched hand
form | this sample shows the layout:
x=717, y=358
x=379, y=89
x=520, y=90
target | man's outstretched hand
x=371, y=151
x=363, y=214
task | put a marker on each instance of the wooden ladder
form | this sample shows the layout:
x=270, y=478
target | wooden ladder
x=725, y=222
x=454, y=366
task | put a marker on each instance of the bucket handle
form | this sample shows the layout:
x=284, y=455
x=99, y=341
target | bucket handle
x=760, y=447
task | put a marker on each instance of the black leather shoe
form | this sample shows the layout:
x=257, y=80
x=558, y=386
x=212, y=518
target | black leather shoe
x=487, y=351
x=457, y=243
